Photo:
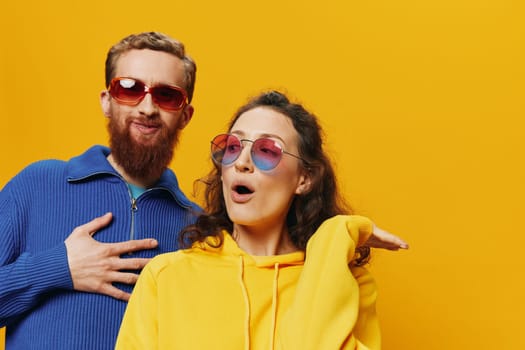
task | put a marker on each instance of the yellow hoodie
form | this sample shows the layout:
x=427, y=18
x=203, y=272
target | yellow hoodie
x=223, y=298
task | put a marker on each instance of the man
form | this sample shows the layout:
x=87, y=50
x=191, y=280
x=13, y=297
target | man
x=61, y=287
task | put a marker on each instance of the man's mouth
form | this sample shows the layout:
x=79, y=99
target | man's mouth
x=146, y=128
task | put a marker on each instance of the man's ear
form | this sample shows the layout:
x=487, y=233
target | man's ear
x=105, y=103
x=186, y=115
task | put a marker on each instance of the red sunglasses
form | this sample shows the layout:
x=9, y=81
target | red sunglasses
x=130, y=91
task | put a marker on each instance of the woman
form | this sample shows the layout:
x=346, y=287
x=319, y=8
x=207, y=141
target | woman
x=245, y=282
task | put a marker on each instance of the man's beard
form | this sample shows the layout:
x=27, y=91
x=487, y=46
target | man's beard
x=142, y=161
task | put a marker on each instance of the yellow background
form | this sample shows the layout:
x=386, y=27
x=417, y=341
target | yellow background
x=422, y=103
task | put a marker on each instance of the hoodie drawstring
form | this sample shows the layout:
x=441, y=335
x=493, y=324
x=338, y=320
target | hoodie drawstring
x=246, y=303
x=274, y=305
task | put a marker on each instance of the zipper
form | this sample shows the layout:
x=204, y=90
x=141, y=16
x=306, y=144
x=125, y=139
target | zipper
x=133, y=210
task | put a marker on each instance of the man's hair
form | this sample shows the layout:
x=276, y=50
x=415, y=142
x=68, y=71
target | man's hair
x=152, y=41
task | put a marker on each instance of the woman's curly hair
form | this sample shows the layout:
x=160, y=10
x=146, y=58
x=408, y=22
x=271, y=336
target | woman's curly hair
x=308, y=210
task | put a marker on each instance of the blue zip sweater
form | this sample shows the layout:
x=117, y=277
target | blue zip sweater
x=39, y=208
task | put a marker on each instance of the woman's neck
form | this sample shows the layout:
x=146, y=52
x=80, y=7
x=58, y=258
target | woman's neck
x=263, y=241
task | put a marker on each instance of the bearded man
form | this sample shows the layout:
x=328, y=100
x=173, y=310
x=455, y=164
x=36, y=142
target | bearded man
x=74, y=235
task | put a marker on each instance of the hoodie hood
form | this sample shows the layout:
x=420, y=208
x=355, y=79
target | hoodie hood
x=230, y=248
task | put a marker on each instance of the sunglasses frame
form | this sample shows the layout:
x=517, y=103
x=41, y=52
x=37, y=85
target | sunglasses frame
x=150, y=90
x=252, y=151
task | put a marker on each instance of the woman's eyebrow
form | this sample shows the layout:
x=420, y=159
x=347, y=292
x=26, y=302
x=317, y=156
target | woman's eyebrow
x=242, y=134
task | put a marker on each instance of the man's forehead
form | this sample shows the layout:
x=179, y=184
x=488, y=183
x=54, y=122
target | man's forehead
x=151, y=67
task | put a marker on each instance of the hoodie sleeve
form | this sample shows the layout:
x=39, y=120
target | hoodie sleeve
x=334, y=305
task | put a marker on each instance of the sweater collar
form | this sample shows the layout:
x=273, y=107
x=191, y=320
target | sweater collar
x=94, y=162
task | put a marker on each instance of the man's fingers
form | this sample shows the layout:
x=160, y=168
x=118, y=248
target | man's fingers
x=124, y=277
x=132, y=246
x=96, y=224
x=131, y=264
x=391, y=246
x=114, y=292
x=387, y=240
x=395, y=242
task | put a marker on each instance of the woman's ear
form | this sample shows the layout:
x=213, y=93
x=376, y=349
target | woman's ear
x=304, y=184
x=105, y=103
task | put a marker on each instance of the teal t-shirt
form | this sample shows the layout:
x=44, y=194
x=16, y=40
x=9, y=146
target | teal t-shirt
x=136, y=191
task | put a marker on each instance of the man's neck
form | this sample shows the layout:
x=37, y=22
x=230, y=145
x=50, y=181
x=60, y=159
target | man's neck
x=144, y=183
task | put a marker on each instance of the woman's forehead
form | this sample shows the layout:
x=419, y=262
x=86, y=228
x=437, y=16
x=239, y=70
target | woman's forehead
x=264, y=122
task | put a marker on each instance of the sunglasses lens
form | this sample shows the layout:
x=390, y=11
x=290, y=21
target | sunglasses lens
x=168, y=97
x=225, y=149
x=127, y=90
x=131, y=91
x=266, y=154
